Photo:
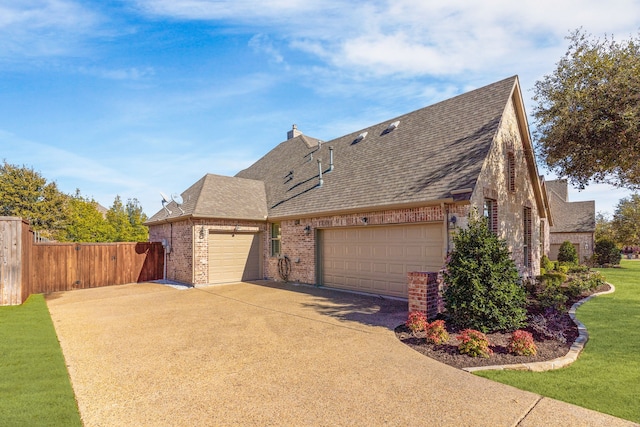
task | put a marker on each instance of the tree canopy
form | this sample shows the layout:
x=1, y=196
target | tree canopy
x=25, y=193
x=588, y=112
x=626, y=221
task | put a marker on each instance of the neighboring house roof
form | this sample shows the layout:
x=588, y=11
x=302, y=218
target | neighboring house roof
x=569, y=217
x=217, y=196
x=432, y=153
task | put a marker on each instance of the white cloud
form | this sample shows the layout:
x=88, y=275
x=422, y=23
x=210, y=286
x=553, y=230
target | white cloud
x=33, y=28
x=132, y=73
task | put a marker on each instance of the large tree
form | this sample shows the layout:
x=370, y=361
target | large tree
x=86, y=222
x=626, y=221
x=26, y=193
x=126, y=222
x=588, y=112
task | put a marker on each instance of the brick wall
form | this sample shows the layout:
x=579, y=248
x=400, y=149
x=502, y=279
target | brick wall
x=425, y=293
x=188, y=260
x=300, y=246
x=584, y=243
x=498, y=179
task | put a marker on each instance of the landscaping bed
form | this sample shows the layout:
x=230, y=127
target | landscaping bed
x=547, y=349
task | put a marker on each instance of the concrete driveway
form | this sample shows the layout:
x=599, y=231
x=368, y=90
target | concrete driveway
x=270, y=354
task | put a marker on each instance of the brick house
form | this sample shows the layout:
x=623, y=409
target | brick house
x=572, y=221
x=361, y=211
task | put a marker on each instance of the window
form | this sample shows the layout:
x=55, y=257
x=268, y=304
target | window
x=527, y=236
x=490, y=212
x=275, y=239
x=511, y=171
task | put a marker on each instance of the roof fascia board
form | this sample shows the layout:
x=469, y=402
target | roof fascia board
x=516, y=96
x=366, y=209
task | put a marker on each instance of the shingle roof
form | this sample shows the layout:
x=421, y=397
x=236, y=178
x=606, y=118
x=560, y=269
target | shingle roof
x=569, y=217
x=433, y=151
x=217, y=196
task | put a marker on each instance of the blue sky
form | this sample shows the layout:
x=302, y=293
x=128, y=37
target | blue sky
x=132, y=98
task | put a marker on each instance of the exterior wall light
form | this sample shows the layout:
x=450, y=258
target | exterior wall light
x=364, y=220
x=307, y=230
x=453, y=220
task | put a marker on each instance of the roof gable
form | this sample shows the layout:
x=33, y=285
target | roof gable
x=569, y=217
x=433, y=152
x=217, y=196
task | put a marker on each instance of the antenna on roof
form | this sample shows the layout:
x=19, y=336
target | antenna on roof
x=165, y=202
x=178, y=200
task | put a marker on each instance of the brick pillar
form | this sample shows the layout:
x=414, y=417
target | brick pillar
x=425, y=293
x=417, y=289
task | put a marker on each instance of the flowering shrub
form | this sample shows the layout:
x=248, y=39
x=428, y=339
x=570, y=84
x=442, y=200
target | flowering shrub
x=417, y=321
x=521, y=344
x=474, y=343
x=436, y=332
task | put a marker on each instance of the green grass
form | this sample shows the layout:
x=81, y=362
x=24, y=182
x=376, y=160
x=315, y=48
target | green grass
x=606, y=376
x=34, y=384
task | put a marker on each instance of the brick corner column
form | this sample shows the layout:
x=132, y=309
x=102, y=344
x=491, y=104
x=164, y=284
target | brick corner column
x=417, y=291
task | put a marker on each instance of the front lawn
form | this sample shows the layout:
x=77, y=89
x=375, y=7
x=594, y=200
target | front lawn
x=606, y=376
x=34, y=384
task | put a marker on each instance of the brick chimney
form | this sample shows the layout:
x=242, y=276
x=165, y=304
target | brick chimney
x=293, y=132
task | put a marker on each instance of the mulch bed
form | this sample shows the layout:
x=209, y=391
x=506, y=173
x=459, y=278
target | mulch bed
x=448, y=353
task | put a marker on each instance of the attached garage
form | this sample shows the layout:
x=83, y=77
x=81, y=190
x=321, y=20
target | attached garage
x=234, y=257
x=377, y=259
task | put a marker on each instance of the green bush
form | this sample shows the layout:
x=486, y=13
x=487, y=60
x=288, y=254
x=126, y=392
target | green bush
x=483, y=288
x=546, y=263
x=567, y=253
x=607, y=252
x=474, y=343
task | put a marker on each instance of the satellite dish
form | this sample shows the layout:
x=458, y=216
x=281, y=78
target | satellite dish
x=178, y=199
x=165, y=199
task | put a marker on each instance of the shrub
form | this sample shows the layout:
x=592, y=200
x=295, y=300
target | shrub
x=567, y=253
x=546, y=263
x=416, y=322
x=474, y=343
x=607, y=252
x=550, y=325
x=521, y=344
x=436, y=332
x=483, y=289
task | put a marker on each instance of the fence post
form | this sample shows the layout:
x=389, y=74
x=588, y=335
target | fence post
x=11, y=252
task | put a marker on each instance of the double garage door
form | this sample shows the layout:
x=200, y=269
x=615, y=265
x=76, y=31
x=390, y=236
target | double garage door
x=234, y=257
x=377, y=259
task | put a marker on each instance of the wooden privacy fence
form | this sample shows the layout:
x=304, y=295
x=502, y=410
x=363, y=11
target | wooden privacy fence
x=29, y=268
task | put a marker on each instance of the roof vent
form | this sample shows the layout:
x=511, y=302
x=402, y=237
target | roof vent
x=360, y=137
x=391, y=127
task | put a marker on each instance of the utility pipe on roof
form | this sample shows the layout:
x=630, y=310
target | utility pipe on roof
x=321, y=181
x=330, y=159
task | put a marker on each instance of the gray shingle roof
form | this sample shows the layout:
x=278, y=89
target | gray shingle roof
x=433, y=151
x=569, y=217
x=217, y=196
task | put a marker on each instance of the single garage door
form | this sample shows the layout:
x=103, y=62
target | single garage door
x=234, y=257
x=377, y=259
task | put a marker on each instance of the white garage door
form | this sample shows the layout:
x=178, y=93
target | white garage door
x=234, y=257
x=377, y=259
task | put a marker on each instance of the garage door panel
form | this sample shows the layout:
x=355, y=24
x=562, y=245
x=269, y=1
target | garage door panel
x=380, y=257
x=234, y=257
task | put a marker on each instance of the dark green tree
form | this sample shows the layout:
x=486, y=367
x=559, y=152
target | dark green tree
x=26, y=193
x=607, y=252
x=588, y=112
x=86, y=222
x=567, y=253
x=126, y=222
x=626, y=221
x=483, y=286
